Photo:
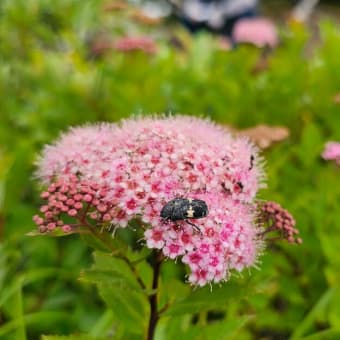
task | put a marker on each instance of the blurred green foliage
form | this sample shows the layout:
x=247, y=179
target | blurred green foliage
x=50, y=79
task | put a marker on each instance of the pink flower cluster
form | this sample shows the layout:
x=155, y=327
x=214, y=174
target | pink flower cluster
x=78, y=199
x=260, y=32
x=127, y=44
x=332, y=152
x=112, y=173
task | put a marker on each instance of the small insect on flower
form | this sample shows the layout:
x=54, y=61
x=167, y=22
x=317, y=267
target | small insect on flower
x=252, y=159
x=184, y=208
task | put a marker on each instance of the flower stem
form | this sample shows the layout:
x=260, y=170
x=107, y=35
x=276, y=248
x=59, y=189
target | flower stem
x=153, y=298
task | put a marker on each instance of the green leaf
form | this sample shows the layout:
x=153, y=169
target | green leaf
x=327, y=334
x=54, y=233
x=28, y=278
x=95, y=243
x=182, y=327
x=109, y=277
x=72, y=337
x=311, y=144
x=225, y=330
x=308, y=321
x=109, y=269
x=207, y=298
x=172, y=291
x=103, y=325
x=130, y=308
x=16, y=312
x=16, y=325
x=118, y=287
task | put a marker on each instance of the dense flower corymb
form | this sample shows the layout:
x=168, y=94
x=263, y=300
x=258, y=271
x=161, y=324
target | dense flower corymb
x=112, y=173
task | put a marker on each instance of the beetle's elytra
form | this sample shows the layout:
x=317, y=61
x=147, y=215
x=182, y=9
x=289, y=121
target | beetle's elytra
x=184, y=208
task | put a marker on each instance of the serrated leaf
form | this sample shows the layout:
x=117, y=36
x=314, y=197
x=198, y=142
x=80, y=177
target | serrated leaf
x=110, y=277
x=120, y=290
x=171, y=291
x=107, y=267
x=129, y=307
x=94, y=243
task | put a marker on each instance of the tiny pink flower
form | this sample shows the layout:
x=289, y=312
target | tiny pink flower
x=107, y=217
x=72, y=212
x=154, y=238
x=51, y=226
x=44, y=194
x=78, y=205
x=172, y=250
x=332, y=152
x=66, y=228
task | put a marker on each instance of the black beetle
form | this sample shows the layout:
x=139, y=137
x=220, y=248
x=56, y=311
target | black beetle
x=184, y=208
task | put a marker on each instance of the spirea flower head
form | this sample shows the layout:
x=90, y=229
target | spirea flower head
x=113, y=173
x=332, y=152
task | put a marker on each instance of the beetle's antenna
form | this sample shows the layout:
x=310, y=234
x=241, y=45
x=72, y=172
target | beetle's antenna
x=195, y=226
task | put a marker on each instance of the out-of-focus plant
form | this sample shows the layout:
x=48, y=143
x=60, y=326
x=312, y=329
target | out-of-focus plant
x=332, y=152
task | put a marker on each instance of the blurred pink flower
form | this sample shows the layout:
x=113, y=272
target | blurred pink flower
x=332, y=152
x=258, y=31
x=127, y=44
x=112, y=173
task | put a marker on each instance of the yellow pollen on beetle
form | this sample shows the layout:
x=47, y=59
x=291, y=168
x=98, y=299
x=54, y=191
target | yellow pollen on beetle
x=190, y=200
x=190, y=212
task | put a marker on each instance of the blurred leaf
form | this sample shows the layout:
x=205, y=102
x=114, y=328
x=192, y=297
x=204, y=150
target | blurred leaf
x=311, y=145
x=54, y=233
x=108, y=268
x=328, y=334
x=17, y=324
x=264, y=136
x=218, y=330
x=103, y=325
x=128, y=307
x=206, y=298
x=120, y=290
x=308, y=321
x=72, y=337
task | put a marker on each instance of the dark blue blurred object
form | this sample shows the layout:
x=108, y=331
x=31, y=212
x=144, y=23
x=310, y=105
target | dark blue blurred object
x=217, y=16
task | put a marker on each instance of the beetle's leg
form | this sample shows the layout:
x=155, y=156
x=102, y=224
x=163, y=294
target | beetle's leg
x=177, y=225
x=195, y=226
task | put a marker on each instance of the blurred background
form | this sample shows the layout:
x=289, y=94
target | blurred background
x=272, y=63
